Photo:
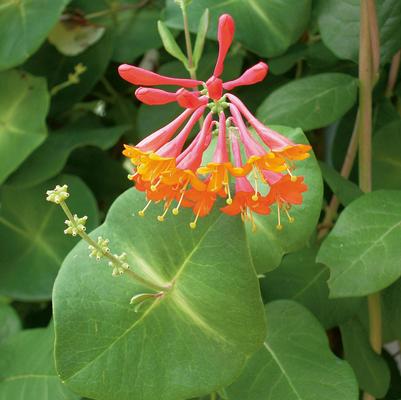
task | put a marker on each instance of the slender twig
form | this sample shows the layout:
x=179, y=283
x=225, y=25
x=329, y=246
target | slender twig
x=350, y=156
x=393, y=74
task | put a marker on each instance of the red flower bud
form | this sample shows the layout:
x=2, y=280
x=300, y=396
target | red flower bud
x=225, y=37
x=251, y=76
x=143, y=77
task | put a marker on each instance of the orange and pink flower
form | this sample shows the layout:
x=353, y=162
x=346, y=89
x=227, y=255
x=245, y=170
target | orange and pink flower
x=171, y=167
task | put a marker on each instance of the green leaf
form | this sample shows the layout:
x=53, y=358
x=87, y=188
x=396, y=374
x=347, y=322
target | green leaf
x=285, y=62
x=201, y=37
x=339, y=26
x=20, y=33
x=24, y=102
x=370, y=368
x=301, y=279
x=275, y=23
x=362, y=251
x=49, y=159
x=194, y=340
x=10, y=323
x=295, y=362
x=48, y=62
x=170, y=44
x=27, y=368
x=268, y=245
x=72, y=38
x=345, y=190
x=386, y=160
x=31, y=229
x=311, y=102
x=135, y=34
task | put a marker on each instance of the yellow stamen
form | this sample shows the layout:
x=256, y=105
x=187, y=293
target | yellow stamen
x=193, y=223
x=154, y=187
x=175, y=210
x=166, y=208
x=290, y=219
x=229, y=200
x=279, y=226
x=142, y=212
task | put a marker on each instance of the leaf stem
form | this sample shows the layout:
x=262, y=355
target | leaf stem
x=188, y=42
x=213, y=396
x=374, y=39
x=110, y=256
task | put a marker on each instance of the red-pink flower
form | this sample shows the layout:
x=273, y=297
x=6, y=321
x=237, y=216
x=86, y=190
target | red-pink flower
x=171, y=167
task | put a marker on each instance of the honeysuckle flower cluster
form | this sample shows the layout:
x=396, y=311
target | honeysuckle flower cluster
x=171, y=167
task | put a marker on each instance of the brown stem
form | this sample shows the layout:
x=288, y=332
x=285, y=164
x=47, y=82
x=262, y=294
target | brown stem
x=393, y=74
x=374, y=39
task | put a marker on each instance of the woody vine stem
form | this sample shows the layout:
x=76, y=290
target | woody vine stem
x=368, y=71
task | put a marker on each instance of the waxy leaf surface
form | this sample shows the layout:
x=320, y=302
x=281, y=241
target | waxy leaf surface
x=363, y=250
x=295, y=362
x=10, y=323
x=311, y=102
x=24, y=25
x=31, y=229
x=268, y=245
x=386, y=165
x=339, y=26
x=24, y=102
x=49, y=159
x=301, y=279
x=275, y=23
x=27, y=368
x=370, y=368
x=192, y=341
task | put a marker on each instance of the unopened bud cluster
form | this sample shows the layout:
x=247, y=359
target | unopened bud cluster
x=119, y=265
x=101, y=249
x=76, y=226
x=58, y=194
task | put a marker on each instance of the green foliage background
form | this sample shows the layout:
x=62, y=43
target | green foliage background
x=64, y=116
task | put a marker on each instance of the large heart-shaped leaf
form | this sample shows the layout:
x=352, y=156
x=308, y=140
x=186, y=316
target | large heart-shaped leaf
x=370, y=368
x=27, y=368
x=135, y=34
x=24, y=25
x=295, y=362
x=386, y=157
x=193, y=340
x=32, y=232
x=49, y=159
x=339, y=26
x=301, y=279
x=275, y=23
x=268, y=245
x=311, y=102
x=24, y=102
x=363, y=251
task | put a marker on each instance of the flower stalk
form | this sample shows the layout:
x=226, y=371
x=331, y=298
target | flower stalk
x=99, y=249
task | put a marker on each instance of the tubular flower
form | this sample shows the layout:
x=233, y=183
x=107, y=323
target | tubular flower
x=171, y=164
